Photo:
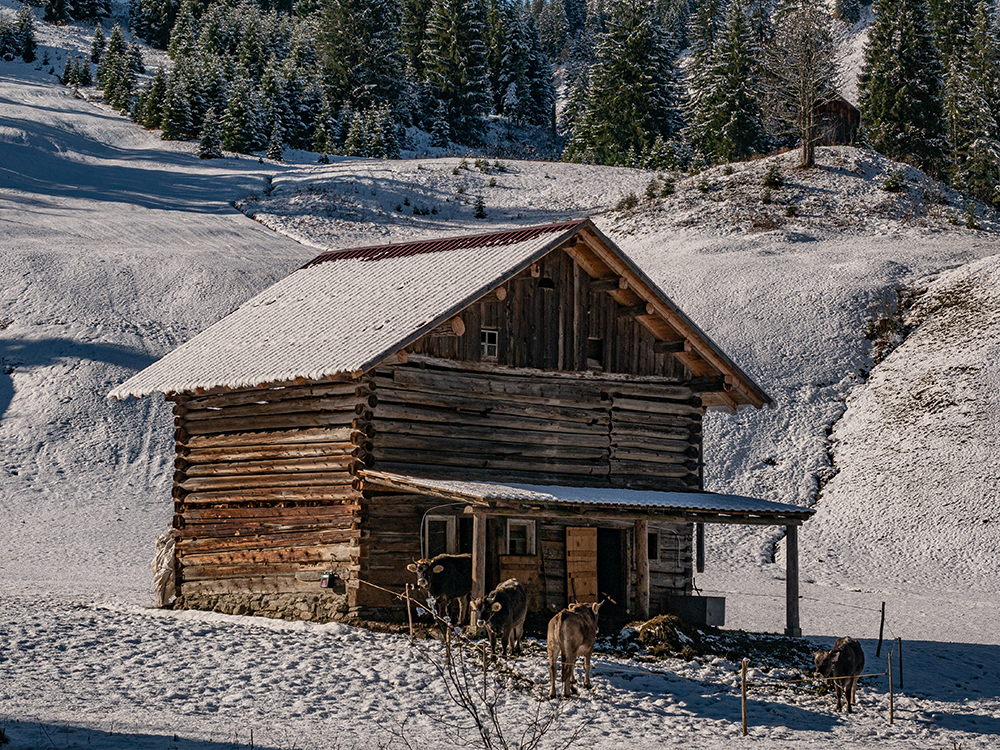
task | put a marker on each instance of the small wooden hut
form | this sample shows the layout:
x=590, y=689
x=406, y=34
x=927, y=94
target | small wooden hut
x=529, y=396
x=837, y=122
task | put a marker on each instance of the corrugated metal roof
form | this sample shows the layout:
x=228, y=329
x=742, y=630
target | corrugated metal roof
x=491, y=239
x=331, y=318
x=610, y=498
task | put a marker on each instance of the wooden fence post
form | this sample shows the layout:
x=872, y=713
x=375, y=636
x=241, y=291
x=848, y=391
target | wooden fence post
x=881, y=628
x=899, y=651
x=409, y=612
x=891, y=707
x=743, y=694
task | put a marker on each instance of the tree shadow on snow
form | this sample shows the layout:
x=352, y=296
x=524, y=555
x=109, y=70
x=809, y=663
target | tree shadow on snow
x=25, y=353
x=109, y=735
x=47, y=163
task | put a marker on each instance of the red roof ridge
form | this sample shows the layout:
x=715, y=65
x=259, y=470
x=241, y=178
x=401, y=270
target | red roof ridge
x=462, y=242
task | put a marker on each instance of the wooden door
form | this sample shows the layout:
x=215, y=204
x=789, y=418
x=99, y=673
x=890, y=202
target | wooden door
x=581, y=564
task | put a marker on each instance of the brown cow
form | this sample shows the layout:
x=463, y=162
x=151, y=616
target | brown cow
x=844, y=663
x=503, y=612
x=571, y=634
x=445, y=578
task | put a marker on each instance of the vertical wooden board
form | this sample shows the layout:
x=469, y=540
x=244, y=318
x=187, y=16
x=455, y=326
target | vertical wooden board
x=581, y=317
x=581, y=563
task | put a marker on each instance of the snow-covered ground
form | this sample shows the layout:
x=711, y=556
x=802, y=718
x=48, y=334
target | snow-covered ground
x=116, y=246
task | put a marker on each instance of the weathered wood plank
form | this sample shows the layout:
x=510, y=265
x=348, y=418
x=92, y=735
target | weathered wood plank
x=239, y=483
x=277, y=466
x=290, y=406
x=275, y=422
x=268, y=439
x=263, y=541
x=330, y=491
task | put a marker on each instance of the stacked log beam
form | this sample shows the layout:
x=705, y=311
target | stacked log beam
x=263, y=487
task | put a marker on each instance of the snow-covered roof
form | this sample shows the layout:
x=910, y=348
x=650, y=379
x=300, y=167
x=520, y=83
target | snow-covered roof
x=348, y=310
x=345, y=312
x=709, y=505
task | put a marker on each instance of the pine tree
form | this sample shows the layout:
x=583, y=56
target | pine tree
x=276, y=144
x=900, y=86
x=455, y=65
x=116, y=73
x=634, y=94
x=24, y=34
x=58, y=11
x=184, y=35
x=725, y=119
x=525, y=79
x=148, y=110
x=848, y=11
x=413, y=33
x=951, y=22
x=972, y=108
x=241, y=126
x=440, y=128
x=97, y=45
x=359, y=47
x=210, y=145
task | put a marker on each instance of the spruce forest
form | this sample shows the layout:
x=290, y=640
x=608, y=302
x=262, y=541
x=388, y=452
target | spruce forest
x=661, y=84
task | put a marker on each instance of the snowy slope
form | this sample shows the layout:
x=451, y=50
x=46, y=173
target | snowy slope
x=115, y=247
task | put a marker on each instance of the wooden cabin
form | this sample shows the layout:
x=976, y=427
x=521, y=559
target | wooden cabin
x=837, y=122
x=531, y=397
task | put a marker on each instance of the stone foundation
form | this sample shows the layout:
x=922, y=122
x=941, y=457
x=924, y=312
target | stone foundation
x=322, y=607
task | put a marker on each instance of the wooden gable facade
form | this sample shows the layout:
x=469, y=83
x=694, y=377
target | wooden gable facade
x=303, y=498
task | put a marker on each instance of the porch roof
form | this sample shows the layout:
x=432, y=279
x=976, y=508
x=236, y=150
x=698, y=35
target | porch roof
x=526, y=499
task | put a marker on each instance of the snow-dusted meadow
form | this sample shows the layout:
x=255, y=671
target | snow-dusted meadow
x=116, y=246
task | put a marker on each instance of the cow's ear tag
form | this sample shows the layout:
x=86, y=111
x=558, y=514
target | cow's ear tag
x=438, y=568
x=412, y=568
x=497, y=606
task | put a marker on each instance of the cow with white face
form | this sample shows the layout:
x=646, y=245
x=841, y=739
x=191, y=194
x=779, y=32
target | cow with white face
x=503, y=612
x=444, y=579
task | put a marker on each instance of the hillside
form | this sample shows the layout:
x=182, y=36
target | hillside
x=116, y=246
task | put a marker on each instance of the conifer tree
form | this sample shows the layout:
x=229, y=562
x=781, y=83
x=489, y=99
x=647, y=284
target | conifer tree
x=276, y=144
x=58, y=11
x=148, y=110
x=525, y=78
x=455, y=65
x=972, y=108
x=24, y=34
x=178, y=120
x=951, y=22
x=900, y=86
x=184, y=35
x=97, y=45
x=359, y=47
x=440, y=129
x=848, y=11
x=725, y=122
x=413, y=33
x=116, y=73
x=241, y=126
x=634, y=94
x=210, y=145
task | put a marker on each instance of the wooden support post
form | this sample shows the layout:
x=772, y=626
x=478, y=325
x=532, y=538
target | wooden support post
x=699, y=547
x=881, y=629
x=478, y=562
x=743, y=693
x=671, y=347
x=642, y=568
x=792, y=626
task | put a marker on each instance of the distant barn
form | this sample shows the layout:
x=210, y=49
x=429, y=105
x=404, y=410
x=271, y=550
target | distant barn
x=530, y=396
x=838, y=122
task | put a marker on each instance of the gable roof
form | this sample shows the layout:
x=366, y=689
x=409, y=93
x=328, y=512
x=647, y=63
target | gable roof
x=346, y=311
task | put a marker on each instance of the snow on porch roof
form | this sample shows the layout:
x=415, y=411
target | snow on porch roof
x=708, y=506
x=329, y=318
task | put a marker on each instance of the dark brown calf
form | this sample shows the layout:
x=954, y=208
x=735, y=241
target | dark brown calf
x=571, y=634
x=844, y=663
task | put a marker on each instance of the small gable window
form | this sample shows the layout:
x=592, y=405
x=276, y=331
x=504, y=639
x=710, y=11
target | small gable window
x=489, y=339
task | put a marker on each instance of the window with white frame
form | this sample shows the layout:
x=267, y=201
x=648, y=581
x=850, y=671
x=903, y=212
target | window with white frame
x=439, y=536
x=520, y=537
x=489, y=338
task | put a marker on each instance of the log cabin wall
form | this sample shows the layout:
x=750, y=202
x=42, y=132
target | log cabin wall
x=445, y=422
x=671, y=570
x=552, y=317
x=264, y=502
